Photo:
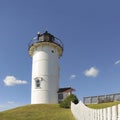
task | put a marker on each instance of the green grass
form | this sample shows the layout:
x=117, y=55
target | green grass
x=37, y=112
x=103, y=105
x=45, y=112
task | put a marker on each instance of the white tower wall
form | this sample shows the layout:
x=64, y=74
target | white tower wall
x=45, y=68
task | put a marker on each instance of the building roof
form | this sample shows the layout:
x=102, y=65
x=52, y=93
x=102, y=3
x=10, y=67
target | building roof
x=67, y=89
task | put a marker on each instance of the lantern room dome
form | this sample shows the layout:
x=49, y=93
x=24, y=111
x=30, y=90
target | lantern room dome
x=45, y=38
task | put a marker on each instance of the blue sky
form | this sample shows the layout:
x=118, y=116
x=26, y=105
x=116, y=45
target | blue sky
x=89, y=30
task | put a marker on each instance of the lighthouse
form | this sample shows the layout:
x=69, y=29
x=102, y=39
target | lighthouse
x=45, y=50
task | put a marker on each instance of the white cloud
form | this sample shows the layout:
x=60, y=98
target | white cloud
x=72, y=76
x=10, y=102
x=117, y=62
x=12, y=81
x=92, y=72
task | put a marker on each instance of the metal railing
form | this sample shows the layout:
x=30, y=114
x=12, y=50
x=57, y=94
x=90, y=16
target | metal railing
x=35, y=40
x=101, y=98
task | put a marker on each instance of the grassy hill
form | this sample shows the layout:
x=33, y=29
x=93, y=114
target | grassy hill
x=45, y=112
x=103, y=105
x=37, y=112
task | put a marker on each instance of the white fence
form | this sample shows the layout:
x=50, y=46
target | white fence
x=81, y=112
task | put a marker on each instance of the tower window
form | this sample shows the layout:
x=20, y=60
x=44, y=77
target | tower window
x=37, y=83
x=52, y=51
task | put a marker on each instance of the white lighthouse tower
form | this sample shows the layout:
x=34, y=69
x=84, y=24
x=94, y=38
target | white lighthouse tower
x=45, y=51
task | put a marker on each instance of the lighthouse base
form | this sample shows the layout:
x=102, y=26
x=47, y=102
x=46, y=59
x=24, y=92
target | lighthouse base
x=44, y=97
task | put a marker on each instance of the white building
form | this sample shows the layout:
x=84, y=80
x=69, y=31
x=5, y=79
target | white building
x=45, y=51
x=64, y=92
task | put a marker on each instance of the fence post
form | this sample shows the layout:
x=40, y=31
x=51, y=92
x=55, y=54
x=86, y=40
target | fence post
x=114, y=113
x=104, y=114
x=119, y=112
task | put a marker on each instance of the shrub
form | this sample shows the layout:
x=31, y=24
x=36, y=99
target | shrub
x=66, y=103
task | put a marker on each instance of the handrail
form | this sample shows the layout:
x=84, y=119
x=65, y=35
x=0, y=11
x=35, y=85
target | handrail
x=56, y=41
